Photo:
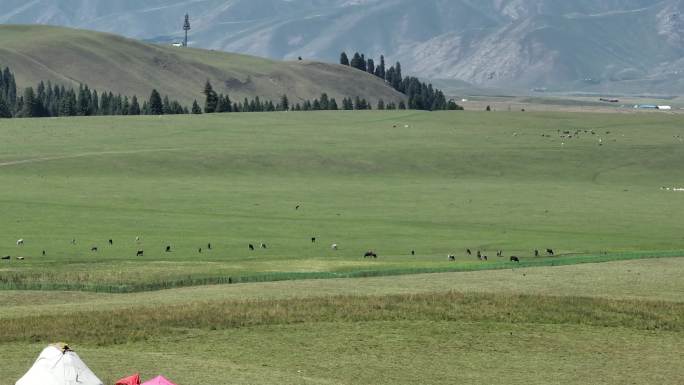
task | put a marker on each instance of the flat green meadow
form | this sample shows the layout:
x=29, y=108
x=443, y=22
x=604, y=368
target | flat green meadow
x=608, y=308
x=391, y=182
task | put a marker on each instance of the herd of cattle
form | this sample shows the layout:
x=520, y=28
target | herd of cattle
x=368, y=254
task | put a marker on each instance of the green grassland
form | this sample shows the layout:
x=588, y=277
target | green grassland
x=436, y=183
x=112, y=63
x=617, y=322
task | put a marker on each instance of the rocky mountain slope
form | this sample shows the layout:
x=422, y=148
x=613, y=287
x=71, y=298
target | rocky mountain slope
x=593, y=45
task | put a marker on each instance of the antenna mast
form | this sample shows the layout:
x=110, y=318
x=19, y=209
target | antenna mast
x=186, y=28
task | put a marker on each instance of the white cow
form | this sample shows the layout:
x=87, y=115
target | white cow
x=20, y=242
x=334, y=246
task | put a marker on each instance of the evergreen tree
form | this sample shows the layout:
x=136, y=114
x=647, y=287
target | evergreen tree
x=381, y=104
x=31, y=107
x=196, y=108
x=134, y=109
x=4, y=108
x=356, y=61
x=324, y=102
x=402, y=105
x=370, y=66
x=155, y=106
x=332, y=105
x=211, y=99
x=344, y=60
x=284, y=104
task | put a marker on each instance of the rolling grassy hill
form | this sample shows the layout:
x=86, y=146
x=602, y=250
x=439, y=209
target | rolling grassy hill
x=121, y=65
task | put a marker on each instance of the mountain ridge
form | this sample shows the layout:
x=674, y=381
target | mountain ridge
x=583, y=45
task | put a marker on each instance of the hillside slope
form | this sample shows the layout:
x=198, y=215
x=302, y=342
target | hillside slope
x=592, y=45
x=109, y=62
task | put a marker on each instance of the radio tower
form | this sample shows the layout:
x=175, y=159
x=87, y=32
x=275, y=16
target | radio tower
x=186, y=28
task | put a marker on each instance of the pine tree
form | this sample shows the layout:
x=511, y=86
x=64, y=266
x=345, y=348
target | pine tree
x=31, y=105
x=370, y=66
x=381, y=104
x=402, y=105
x=4, y=108
x=196, y=108
x=285, y=103
x=155, y=105
x=324, y=102
x=332, y=105
x=356, y=61
x=211, y=99
x=344, y=60
x=135, y=107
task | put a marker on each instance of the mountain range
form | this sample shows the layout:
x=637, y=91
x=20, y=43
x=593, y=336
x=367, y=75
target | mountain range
x=580, y=45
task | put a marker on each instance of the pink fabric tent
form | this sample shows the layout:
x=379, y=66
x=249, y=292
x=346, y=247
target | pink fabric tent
x=159, y=381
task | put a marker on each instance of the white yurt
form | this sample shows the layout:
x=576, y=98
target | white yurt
x=59, y=365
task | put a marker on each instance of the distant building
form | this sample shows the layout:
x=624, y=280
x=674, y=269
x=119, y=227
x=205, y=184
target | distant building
x=177, y=44
x=666, y=108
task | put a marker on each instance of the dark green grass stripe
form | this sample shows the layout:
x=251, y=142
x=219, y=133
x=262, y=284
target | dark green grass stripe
x=17, y=283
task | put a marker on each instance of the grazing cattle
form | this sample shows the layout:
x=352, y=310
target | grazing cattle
x=515, y=259
x=251, y=247
x=549, y=251
x=263, y=246
x=479, y=255
x=137, y=238
x=499, y=253
x=21, y=258
x=20, y=242
x=297, y=207
x=6, y=258
x=94, y=248
x=484, y=258
x=43, y=253
x=452, y=257
x=208, y=246
x=140, y=253
x=111, y=242
x=199, y=250
x=370, y=254
x=313, y=239
x=536, y=252
x=73, y=241
x=469, y=252
x=413, y=252
x=333, y=246
x=168, y=249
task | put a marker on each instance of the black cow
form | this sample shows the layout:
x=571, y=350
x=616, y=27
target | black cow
x=515, y=259
x=536, y=252
x=484, y=257
x=6, y=258
x=370, y=254
x=313, y=239
x=94, y=248
x=469, y=252
x=549, y=252
x=263, y=246
x=168, y=249
x=111, y=242
x=43, y=253
x=200, y=250
x=452, y=257
x=140, y=253
x=479, y=255
x=208, y=246
x=251, y=247
x=413, y=252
